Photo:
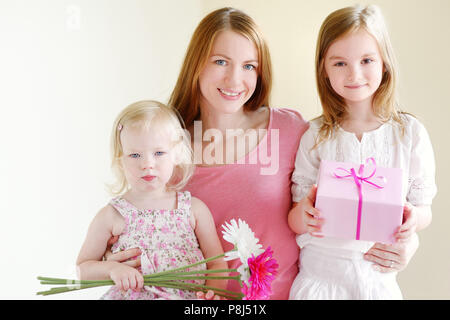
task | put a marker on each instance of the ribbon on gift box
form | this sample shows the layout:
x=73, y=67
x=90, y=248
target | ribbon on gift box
x=359, y=179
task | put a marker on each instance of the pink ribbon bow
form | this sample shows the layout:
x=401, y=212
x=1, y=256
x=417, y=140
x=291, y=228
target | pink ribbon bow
x=359, y=179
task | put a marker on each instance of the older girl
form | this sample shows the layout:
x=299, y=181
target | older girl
x=356, y=79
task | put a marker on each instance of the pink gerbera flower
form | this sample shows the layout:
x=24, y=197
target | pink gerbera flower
x=263, y=269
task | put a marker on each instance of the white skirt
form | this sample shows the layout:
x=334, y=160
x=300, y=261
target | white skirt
x=334, y=274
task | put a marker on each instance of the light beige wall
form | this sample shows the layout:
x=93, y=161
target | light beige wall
x=68, y=66
x=419, y=31
x=66, y=69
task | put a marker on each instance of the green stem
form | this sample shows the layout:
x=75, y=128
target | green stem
x=45, y=280
x=156, y=275
x=197, y=287
x=188, y=266
x=177, y=276
x=56, y=290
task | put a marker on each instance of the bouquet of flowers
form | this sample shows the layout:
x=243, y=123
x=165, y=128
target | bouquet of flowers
x=256, y=273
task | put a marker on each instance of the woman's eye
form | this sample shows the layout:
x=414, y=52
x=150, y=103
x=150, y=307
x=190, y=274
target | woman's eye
x=339, y=64
x=135, y=155
x=249, y=67
x=220, y=62
x=366, y=61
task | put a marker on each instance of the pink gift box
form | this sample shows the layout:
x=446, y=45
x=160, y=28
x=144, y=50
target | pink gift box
x=373, y=216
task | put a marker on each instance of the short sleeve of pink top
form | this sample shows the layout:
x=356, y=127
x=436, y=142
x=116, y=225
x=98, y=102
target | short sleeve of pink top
x=257, y=189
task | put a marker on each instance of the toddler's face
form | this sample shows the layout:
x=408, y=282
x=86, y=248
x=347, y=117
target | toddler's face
x=147, y=159
x=354, y=67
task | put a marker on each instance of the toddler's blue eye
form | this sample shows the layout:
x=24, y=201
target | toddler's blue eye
x=159, y=153
x=134, y=155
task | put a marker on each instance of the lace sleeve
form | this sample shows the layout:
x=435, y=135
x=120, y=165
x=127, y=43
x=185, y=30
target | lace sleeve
x=306, y=166
x=421, y=180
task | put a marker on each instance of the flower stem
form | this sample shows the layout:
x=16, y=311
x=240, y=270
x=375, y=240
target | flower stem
x=170, y=278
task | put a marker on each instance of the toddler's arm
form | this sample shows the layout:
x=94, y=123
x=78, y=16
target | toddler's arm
x=89, y=262
x=209, y=242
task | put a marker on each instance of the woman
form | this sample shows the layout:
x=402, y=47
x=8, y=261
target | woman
x=243, y=149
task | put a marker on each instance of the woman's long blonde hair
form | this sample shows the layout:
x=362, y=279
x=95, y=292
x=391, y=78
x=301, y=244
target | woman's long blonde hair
x=152, y=114
x=186, y=94
x=337, y=25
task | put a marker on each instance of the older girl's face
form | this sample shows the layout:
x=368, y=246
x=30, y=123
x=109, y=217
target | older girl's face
x=354, y=66
x=229, y=77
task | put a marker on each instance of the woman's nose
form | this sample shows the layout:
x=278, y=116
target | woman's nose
x=233, y=76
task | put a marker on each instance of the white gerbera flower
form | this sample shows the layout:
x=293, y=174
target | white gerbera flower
x=243, y=239
x=245, y=273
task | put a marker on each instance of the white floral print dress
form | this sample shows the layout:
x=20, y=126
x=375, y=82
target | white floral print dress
x=166, y=240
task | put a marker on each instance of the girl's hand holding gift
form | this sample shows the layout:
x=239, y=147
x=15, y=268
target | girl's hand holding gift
x=409, y=226
x=304, y=217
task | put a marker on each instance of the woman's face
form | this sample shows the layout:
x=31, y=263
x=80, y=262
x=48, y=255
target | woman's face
x=229, y=77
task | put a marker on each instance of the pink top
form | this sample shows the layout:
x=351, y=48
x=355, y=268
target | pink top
x=255, y=191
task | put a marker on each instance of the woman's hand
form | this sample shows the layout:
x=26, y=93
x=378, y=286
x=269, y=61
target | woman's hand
x=208, y=296
x=395, y=257
x=124, y=257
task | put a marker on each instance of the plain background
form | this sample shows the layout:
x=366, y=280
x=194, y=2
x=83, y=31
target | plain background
x=68, y=67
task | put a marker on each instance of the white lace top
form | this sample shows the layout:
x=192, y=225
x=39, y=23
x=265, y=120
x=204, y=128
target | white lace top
x=412, y=152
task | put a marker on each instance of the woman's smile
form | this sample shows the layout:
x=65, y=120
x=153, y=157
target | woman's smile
x=230, y=94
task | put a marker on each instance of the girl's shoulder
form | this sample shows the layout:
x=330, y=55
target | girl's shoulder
x=409, y=119
x=108, y=217
x=412, y=125
x=314, y=127
x=200, y=211
x=316, y=123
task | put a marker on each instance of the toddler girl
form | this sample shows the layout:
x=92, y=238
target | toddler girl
x=152, y=160
x=356, y=79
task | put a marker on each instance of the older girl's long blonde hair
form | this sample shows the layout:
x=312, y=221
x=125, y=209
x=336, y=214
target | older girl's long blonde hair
x=337, y=25
x=186, y=94
x=147, y=114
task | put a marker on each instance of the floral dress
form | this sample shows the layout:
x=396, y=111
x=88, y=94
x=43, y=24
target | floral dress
x=166, y=240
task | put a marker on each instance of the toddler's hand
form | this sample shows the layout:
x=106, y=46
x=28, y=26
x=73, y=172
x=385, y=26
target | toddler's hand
x=408, y=228
x=126, y=277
